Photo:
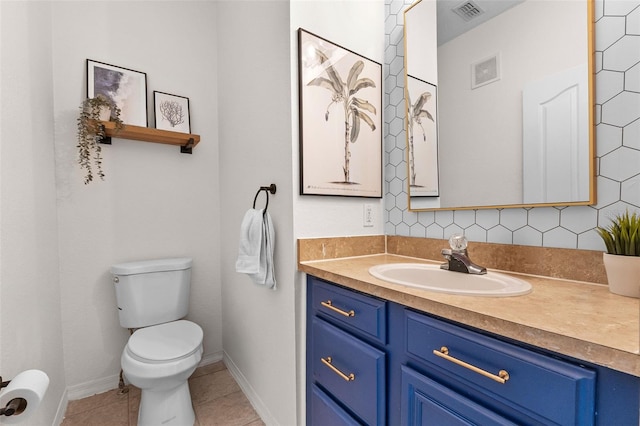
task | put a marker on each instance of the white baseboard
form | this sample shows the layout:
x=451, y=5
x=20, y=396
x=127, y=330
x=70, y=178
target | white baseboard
x=104, y=384
x=62, y=409
x=249, y=392
x=92, y=387
x=211, y=358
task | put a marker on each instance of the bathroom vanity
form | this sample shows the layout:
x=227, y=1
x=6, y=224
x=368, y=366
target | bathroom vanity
x=380, y=353
x=378, y=362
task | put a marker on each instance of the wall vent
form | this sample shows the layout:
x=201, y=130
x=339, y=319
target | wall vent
x=468, y=10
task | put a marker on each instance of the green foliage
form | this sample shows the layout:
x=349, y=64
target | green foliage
x=623, y=235
x=90, y=133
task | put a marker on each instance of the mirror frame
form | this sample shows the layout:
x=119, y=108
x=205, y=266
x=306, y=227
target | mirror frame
x=590, y=4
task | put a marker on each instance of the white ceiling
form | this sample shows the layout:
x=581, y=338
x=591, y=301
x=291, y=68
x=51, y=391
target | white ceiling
x=450, y=25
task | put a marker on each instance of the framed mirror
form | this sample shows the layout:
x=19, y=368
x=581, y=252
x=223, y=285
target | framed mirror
x=499, y=103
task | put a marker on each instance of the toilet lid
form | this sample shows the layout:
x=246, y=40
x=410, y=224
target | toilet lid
x=167, y=341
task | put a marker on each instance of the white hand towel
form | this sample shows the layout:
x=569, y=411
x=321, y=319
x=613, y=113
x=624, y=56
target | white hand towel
x=266, y=274
x=257, y=244
x=250, y=242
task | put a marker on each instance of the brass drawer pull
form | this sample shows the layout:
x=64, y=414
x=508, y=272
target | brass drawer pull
x=351, y=377
x=502, y=376
x=328, y=304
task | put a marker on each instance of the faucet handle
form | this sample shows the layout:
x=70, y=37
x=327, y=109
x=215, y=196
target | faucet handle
x=458, y=242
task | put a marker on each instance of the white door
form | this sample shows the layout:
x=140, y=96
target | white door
x=555, y=151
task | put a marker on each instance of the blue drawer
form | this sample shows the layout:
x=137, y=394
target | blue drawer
x=354, y=311
x=544, y=388
x=350, y=370
x=324, y=411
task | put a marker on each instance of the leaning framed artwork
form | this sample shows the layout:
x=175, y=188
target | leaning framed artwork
x=126, y=88
x=422, y=137
x=171, y=112
x=340, y=120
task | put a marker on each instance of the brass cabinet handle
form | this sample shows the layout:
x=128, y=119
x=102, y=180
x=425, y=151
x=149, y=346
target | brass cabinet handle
x=502, y=376
x=351, y=377
x=328, y=304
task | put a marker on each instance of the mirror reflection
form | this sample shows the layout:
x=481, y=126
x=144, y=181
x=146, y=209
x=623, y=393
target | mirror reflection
x=499, y=103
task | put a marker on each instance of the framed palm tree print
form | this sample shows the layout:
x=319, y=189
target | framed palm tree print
x=340, y=120
x=422, y=137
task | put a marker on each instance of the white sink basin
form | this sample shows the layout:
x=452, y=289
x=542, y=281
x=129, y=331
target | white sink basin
x=432, y=278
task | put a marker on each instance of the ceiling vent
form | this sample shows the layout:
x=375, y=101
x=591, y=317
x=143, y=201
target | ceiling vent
x=468, y=10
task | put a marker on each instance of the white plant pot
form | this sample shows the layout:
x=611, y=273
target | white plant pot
x=105, y=113
x=623, y=274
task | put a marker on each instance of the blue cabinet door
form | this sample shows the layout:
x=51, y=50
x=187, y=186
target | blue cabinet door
x=537, y=387
x=426, y=402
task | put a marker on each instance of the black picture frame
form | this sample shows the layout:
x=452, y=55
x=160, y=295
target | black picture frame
x=422, y=138
x=340, y=120
x=127, y=88
x=171, y=112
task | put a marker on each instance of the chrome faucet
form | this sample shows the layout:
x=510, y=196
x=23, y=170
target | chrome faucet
x=458, y=258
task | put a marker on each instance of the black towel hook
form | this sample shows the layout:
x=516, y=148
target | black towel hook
x=267, y=189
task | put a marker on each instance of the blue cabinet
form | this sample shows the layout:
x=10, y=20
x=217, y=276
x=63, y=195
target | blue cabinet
x=375, y=362
x=346, y=360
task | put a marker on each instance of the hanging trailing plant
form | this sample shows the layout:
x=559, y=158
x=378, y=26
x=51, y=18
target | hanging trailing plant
x=90, y=133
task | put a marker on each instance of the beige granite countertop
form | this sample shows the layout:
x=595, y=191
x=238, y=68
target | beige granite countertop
x=578, y=319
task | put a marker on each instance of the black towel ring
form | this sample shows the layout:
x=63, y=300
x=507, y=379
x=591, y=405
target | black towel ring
x=267, y=189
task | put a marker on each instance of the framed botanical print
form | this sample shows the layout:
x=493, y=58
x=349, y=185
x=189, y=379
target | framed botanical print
x=171, y=112
x=340, y=120
x=422, y=137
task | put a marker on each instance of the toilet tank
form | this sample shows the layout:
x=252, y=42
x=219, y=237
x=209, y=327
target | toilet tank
x=151, y=292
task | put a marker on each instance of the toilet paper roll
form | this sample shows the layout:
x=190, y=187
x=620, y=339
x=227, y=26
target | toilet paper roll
x=30, y=385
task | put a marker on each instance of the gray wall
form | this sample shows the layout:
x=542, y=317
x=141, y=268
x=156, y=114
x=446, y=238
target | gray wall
x=154, y=202
x=258, y=324
x=30, y=318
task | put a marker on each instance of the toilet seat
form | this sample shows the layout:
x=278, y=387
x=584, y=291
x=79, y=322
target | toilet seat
x=166, y=342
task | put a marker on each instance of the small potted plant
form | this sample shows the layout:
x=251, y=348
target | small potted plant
x=90, y=133
x=622, y=259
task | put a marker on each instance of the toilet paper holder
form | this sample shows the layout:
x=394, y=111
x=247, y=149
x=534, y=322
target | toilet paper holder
x=15, y=406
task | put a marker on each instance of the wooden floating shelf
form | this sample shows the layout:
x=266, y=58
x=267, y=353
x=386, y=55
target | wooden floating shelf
x=186, y=141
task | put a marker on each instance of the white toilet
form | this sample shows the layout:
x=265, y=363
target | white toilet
x=153, y=296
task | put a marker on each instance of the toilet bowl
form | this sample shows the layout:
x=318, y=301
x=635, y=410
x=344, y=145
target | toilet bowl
x=159, y=360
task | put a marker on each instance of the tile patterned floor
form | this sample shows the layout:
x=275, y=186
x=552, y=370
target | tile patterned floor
x=217, y=400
